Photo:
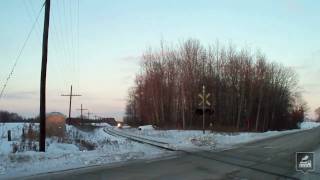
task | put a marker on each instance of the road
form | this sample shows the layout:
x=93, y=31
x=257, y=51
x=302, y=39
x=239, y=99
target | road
x=272, y=158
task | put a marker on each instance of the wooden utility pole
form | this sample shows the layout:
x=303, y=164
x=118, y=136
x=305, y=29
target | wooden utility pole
x=81, y=111
x=70, y=100
x=89, y=114
x=42, y=141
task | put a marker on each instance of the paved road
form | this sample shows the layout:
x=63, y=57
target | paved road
x=267, y=159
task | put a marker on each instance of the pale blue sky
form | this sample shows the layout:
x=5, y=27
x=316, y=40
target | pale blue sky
x=112, y=35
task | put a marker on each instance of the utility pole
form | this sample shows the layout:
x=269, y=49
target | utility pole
x=81, y=110
x=89, y=114
x=42, y=141
x=70, y=100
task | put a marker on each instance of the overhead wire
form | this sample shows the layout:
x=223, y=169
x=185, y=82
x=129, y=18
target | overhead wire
x=61, y=50
x=20, y=53
x=78, y=42
x=62, y=33
x=65, y=28
x=67, y=36
x=32, y=15
x=71, y=40
x=68, y=28
x=53, y=38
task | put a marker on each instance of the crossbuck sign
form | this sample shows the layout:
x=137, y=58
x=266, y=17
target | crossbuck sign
x=204, y=99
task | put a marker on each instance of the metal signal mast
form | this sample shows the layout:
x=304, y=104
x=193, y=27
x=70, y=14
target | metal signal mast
x=204, y=102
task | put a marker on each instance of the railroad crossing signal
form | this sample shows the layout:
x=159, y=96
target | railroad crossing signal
x=204, y=99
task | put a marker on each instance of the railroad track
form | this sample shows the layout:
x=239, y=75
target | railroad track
x=160, y=144
x=218, y=156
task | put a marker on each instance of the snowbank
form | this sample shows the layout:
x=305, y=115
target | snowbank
x=195, y=139
x=309, y=125
x=146, y=127
x=62, y=148
x=101, y=124
x=70, y=154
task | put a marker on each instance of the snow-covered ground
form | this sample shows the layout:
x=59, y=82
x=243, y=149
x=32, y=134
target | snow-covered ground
x=195, y=139
x=308, y=125
x=94, y=147
x=69, y=154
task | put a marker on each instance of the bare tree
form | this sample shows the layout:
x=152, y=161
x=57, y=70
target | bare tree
x=248, y=93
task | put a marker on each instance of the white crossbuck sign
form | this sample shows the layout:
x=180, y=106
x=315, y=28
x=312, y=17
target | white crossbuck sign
x=204, y=99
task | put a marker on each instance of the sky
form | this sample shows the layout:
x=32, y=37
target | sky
x=95, y=45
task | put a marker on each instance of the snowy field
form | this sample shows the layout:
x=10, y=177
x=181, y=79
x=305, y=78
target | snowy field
x=85, y=148
x=195, y=139
x=68, y=155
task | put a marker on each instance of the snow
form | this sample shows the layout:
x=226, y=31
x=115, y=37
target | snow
x=16, y=131
x=62, y=148
x=71, y=153
x=91, y=147
x=309, y=125
x=5, y=147
x=125, y=127
x=147, y=127
x=195, y=139
x=101, y=124
x=15, y=128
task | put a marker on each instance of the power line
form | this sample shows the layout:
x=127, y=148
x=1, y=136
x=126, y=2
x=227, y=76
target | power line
x=78, y=42
x=55, y=50
x=32, y=15
x=58, y=44
x=62, y=51
x=19, y=54
x=65, y=26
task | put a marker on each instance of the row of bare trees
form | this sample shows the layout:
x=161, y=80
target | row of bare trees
x=247, y=92
x=6, y=116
